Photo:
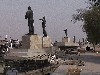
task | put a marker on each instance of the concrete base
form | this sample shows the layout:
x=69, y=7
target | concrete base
x=35, y=42
x=31, y=42
x=46, y=42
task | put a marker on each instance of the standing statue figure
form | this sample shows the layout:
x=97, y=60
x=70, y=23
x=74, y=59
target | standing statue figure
x=65, y=32
x=29, y=16
x=43, y=26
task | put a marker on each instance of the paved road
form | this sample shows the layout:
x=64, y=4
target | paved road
x=92, y=64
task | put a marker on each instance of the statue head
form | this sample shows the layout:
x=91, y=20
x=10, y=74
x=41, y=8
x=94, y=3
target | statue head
x=29, y=8
x=44, y=17
x=65, y=30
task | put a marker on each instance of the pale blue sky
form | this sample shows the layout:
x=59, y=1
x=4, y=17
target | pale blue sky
x=58, y=15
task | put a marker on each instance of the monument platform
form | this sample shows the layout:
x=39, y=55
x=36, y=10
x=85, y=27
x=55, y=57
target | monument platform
x=35, y=42
x=31, y=42
x=66, y=41
x=33, y=47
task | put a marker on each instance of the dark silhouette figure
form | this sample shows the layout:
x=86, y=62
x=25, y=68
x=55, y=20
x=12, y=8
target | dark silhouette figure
x=43, y=26
x=74, y=39
x=29, y=16
x=88, y=48
x=65, y=32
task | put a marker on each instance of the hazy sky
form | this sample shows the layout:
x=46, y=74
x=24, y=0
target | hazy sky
x=58, y=15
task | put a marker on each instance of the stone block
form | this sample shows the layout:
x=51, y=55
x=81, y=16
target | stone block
x=65, y=39
x=26, y=42
x=46, y=42
x=32, y=42
x=35, y=42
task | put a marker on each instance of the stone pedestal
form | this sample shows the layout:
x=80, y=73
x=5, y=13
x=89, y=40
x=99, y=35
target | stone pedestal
x=46, y=41
x=66, y=39
x=31, y=42
x=35, y=42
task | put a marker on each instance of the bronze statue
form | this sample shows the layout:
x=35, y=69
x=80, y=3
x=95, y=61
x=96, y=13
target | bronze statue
x=29, y=16
x=43, y=26
x=65, y=32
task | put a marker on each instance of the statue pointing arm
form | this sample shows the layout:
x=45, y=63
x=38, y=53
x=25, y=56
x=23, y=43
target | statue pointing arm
x=43, y=26
x=43, y=22
x=65, y=32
